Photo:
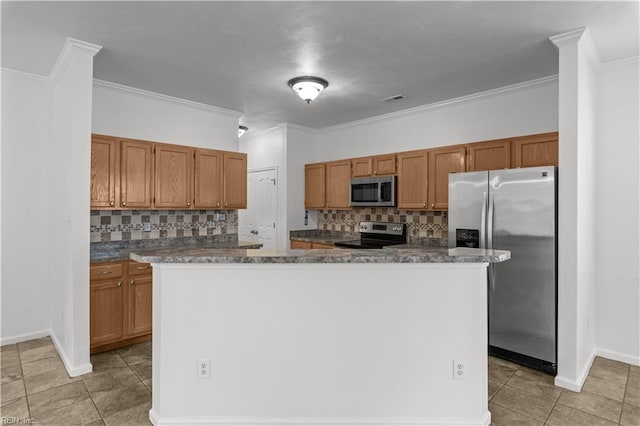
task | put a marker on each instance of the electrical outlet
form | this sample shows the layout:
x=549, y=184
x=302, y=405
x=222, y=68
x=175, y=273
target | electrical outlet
x=459, y=370
x=204, y=369
x=146, y=226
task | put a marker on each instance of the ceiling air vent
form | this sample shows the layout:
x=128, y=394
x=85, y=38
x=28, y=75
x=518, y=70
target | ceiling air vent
x=395, y=98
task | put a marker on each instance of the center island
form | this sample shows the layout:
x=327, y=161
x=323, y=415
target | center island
x=320, y=337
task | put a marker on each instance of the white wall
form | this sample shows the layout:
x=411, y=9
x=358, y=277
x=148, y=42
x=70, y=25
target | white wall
x=319, y=344
x=267, y=149
x=519, y=110
x=26, y=156
x=576, y=209
x=69, y=181
x=617, y=296
x=133, y=113
x=302, y=148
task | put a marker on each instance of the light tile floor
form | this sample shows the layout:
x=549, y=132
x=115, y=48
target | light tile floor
x=35, y=385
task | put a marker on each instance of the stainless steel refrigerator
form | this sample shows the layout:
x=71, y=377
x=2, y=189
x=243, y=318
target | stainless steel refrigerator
x=514, y=210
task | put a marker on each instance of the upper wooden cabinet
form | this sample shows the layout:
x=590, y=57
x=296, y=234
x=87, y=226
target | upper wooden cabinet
x=131, y=174
x=208, y=179
x=535, y=150
x=412, y=179
x=378, y=165
x=235, y=180
x=136, y=174
x=314, y=186
x=326, y=185
x=104, y=169
x=338, y=182
x=490, y=155
x=174, y=176
x=443, y=161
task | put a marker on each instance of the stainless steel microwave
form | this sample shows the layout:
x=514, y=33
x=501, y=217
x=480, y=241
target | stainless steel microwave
x=373, y=191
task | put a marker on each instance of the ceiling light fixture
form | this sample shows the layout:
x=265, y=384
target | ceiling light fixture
x=242, y=130
x=308, y=87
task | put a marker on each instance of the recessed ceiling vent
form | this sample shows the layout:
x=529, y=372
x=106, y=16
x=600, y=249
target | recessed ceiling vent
x=395, y=98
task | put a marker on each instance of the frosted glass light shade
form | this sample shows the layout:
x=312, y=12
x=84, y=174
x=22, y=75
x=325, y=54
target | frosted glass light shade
x=308, y=87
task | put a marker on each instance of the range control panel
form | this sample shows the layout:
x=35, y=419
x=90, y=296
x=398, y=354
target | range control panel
x=382, y=228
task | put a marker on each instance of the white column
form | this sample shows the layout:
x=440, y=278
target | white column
x=576, y=212
x=72, y=86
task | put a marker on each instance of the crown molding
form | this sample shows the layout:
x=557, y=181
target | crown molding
x=620, y=62
x=568, y=38
x=302, y=128
x=166, y=98
x=10, y=71
x=582, y=38
x=443, y=104
x=71, y=48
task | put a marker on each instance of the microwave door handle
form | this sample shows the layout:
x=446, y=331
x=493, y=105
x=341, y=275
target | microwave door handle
x=380, y=191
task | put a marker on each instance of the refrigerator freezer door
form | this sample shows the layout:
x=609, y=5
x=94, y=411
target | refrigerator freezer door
x=467, y=201
x=522, y=304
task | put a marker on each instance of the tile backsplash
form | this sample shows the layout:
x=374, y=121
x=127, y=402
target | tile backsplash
x=419, y=223
x=123, y=225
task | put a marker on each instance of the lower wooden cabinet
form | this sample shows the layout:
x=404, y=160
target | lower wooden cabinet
x=120, y=304
x=307, y=245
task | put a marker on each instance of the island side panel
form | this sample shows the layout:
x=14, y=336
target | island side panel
x=332, y=342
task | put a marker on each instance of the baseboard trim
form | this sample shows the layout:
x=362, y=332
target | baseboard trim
x=576, y=385
x=315, y=421
x=618, y=356
x=24, y=337
x=72, y=370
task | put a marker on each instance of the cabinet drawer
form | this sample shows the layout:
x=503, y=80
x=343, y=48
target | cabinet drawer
x=106, y=271
x=137, y=268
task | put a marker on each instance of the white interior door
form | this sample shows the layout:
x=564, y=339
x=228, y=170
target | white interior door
x=258, y=222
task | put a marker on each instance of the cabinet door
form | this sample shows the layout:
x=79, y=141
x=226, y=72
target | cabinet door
x=174, y=176
x=208, y=179
x=136, y=174
x=297, y=244
x=443, y=161
x=361, y=167
x=384, y=165
x=139, y=303
x=104, y=169
x=337, y=186
x=314, y=186
x=490, y=155
x=535, y=150
x=105, y=311
x=412, y=180
x=235, y=180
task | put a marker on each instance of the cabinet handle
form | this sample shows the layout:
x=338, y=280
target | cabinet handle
x=104, y=272
x=374, y=172
x=119, y=283
x=111, y=203
x=124, y=203
x=217, y=204
x=424, y=205
x=141, y=268
x=226, y=204
x=132, y=282
x=188, y=203
x=433, y=205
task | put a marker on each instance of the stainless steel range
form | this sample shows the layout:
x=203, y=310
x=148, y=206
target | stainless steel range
x=376, y=235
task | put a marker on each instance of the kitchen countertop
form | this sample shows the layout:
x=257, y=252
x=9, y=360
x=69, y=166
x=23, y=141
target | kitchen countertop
x=386, y=255
x=111, y=251
x=322, y=236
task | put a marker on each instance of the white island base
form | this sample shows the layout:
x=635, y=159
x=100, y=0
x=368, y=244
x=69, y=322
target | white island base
x=320, y=344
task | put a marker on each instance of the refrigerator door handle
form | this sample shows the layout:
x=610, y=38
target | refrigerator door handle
x=490, y=223
x=483, y=221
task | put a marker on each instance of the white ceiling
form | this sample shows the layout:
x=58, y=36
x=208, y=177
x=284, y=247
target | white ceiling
x=239, y=55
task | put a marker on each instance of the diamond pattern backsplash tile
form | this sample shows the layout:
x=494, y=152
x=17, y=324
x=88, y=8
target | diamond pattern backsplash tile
x=419, y=223
x=121, y=225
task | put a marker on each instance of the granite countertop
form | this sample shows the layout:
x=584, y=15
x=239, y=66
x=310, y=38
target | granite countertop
x=386, y=255
x=322, y=236
x=111, y=251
